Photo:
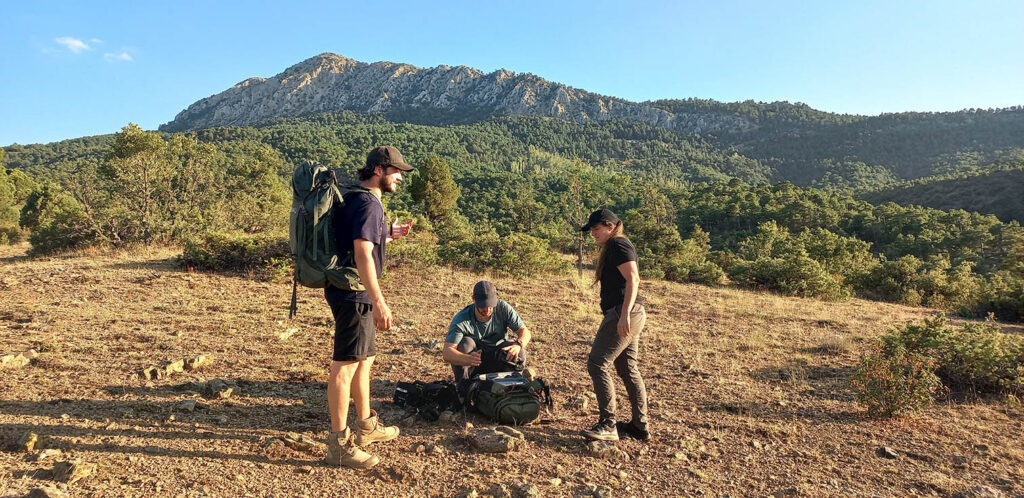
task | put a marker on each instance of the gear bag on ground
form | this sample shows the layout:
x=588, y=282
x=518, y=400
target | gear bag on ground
x=508, y=397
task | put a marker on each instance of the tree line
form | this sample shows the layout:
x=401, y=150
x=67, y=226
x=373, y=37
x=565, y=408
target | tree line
x=509, y=195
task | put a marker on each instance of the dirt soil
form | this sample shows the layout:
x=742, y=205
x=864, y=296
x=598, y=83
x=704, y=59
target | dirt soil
x=749, y=392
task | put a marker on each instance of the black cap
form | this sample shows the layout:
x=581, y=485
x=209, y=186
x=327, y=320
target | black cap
x=386, y=155
x=485, y=295
x=600, y=216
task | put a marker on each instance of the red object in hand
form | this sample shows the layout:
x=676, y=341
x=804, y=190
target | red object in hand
x=399, y=230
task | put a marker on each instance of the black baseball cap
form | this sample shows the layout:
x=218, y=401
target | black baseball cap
x=600, y=216
x=386, y=155
x=485, y=295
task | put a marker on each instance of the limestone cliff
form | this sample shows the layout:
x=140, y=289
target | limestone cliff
x=330, y=82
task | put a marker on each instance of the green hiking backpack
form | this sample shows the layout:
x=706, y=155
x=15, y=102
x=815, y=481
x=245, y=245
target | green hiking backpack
x=508, y=398
x=316, y=196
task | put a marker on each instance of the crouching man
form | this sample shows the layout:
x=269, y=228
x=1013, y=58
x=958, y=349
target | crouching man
x=479, y=339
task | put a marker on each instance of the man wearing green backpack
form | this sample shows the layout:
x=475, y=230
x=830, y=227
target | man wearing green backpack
x=360, y=235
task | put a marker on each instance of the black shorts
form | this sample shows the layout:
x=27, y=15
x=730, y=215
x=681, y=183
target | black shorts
x=355, y=335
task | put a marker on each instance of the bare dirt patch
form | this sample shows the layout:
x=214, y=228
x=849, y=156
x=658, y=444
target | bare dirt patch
x=749, y=391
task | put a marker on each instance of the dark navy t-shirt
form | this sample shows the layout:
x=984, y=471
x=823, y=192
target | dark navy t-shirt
x=362, y=217
x=613, y=284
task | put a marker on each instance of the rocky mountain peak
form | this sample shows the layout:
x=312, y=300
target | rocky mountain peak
x=330, y=82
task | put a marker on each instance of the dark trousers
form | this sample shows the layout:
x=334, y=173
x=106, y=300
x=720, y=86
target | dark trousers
x=610, y=349
x=491, y=360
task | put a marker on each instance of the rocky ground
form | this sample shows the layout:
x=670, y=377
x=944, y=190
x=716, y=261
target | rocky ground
x=749, y=393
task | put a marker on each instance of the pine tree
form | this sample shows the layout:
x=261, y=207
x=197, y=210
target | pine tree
x=434, y=188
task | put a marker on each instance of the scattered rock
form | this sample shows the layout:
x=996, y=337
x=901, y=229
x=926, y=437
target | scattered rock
x=188, y=405
x=398, y=351
x=305, y=469
x=27, y=442
x=588, y=489
x=579, y=402
x=756, y=444
x=48, y=453
x=446, y=416
x=45, y=492
x=782, y=493
x=284, y=336
x=511, y=432
x=389, y=473
x=173, y=367
x=196, y=362
x=216, y=388
x=433, y=345
x=697, y=473
x=419, y=448
x=300, y=442
x=917, y=456
x=602, y=492
x=555, y=482
x=886, y=452
x=151, y=373
x=72, y=471
x=467, y=493
x=605, y=449
x=980, y=492
x=529, y=491
x=19, y=360
x=961, y=460
x=981, y=448
x=499, y=490
x=496, y=441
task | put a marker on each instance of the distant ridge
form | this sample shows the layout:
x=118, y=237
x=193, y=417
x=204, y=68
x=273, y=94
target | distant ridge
x=330, y=82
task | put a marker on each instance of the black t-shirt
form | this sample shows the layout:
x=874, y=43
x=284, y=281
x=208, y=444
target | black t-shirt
x=613, y=284
x=362, y=217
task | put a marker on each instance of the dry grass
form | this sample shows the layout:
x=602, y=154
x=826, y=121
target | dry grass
x=748, y=390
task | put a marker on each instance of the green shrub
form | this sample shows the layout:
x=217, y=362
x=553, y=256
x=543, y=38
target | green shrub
x=515, y=254
x=895, y=381
x=266, y=255
x=57, y=222
x=975, y=358
x=417, y=249
x=1003, y=295
x=791, y=275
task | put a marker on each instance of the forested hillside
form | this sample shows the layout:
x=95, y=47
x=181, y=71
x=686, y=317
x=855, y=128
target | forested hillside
x=518, y=188
x=997, y=190
x=810, y=147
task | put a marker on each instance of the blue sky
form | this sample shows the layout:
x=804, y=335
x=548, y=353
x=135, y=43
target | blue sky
x=72, y=69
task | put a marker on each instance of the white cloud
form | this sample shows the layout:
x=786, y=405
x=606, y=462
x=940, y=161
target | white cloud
x=96, y=41
x=73, y=44
x=121, y=57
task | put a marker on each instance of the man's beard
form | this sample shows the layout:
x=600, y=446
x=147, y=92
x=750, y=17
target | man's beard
x=385, y=186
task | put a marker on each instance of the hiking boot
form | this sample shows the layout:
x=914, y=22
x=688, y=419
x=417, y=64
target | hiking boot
x=372, y=430
x=342, y=452
x=633, y=431
x=604, y=430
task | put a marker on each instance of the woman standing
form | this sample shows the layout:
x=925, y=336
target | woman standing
x=618, y=337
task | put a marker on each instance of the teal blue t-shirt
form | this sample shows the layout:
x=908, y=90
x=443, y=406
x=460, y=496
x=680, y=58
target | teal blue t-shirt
x=486, y=334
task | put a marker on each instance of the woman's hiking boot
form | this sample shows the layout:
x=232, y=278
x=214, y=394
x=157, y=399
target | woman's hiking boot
x=371, y=430
x=343, y=452
x=604, y=430
x=632, y=430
